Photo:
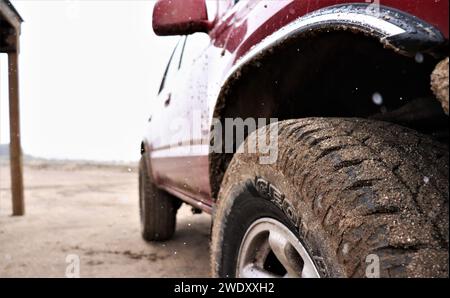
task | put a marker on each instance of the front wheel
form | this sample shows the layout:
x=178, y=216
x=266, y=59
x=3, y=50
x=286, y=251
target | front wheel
x=345, y=198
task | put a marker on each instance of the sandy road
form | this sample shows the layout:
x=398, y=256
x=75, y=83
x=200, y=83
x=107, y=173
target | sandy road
x=92, y=211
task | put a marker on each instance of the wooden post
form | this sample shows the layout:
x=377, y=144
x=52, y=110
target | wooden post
x=15, y=151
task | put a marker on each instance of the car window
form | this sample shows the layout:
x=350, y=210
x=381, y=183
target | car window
x=193, y=47
x=173, y=64
x=182, y=52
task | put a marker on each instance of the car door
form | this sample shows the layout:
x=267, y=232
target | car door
x=179, y=126
x=162, y=117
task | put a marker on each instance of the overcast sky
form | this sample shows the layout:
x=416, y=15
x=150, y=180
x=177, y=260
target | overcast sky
x=88, y=70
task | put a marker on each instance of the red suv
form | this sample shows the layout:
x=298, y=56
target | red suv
x=314, y=132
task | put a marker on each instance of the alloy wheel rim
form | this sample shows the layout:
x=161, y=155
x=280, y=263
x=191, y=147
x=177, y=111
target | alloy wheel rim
x=270, y=250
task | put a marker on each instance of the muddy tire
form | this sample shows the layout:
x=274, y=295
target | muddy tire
x=158, y=209
x=364, y=198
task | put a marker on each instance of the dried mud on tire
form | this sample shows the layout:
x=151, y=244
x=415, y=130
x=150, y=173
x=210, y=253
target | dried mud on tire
x=359, y=188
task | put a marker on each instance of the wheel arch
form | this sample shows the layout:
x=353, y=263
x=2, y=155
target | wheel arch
x=319, y=41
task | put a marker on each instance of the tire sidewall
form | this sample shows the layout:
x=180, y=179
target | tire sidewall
x=143, y=180
x=284, y=203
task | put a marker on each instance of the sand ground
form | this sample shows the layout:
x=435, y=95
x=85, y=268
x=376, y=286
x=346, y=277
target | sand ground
x=91, y=211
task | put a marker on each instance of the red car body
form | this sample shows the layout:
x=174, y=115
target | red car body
x=178, y=149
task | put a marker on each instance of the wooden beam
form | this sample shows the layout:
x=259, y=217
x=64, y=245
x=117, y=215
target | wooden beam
x=15, y=151
x=9, y=40
x=9, y=14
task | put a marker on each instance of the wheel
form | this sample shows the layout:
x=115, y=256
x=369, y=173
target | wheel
x=345, y=198
x=158, y=209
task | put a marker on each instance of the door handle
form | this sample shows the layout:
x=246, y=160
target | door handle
x=167, y=102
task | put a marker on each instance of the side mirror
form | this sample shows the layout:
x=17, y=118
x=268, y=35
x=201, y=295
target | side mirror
x=180, y=17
